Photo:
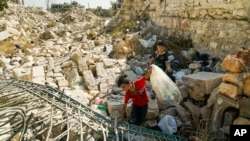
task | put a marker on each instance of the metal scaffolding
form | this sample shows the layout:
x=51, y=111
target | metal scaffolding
x=30, y=111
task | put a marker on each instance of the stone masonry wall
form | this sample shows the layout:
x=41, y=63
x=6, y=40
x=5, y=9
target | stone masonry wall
x=217, y=27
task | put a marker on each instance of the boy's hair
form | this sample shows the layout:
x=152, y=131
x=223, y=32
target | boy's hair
x=160, y=43
x=122, y=79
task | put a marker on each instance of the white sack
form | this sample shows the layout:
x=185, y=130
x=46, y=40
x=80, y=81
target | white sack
x=164, y=87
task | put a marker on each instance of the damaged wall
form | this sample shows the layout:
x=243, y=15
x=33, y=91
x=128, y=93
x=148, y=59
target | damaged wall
x=217, y=27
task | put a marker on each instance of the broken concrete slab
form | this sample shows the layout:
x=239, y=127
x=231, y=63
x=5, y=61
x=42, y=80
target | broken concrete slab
x=201, y=83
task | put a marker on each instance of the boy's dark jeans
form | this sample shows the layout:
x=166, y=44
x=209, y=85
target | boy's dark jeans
x=138, y=114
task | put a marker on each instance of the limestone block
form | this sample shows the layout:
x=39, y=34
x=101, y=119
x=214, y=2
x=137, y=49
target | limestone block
x=233, y=78
x=78, y=95
x=90, y=62
x=39, y=80
x=241, y=121
x=246, y=88
x=57, y=69
x=38, y=71
x=229, y=90
x=96, y=58
x=67, y=64
x=111, y=75
x=62, y=83
x=89, y=80
x=82, y=65
x=232, y=64
x=13, y=31
x=4, y=35
x=58, y=74
x=201, y=83
x=92, y=68
x=50, y=66
x=23, y=74
x=100, y=70
x=109, y=63
x=103, y=87
x=75, y=56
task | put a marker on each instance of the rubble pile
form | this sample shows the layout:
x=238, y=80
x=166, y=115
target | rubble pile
x=66, y=51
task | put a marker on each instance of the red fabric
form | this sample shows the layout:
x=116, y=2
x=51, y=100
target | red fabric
x=139, y=98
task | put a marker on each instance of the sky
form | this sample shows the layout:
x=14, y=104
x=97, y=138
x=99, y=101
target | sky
x=87, y=3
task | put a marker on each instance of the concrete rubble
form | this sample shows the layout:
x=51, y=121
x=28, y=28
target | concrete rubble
x=65, y=51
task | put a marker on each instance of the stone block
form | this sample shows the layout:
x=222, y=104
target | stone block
x=89, y=80
x=75, y=56
x=201, y=83
x=109, y=63
x=229, y=90
x=96, y=58
x=222, y=103
x=59, y=74
x=232, y=64
x=4, y=35
x=57, y=69
x=23, y=74
x=39, y=80
x=67, y=64
x=246, y=88
x=103, y=88
x=100, y=70
x=38, y=71
x=233, y=78
x=82, y=64
x=62, y=83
